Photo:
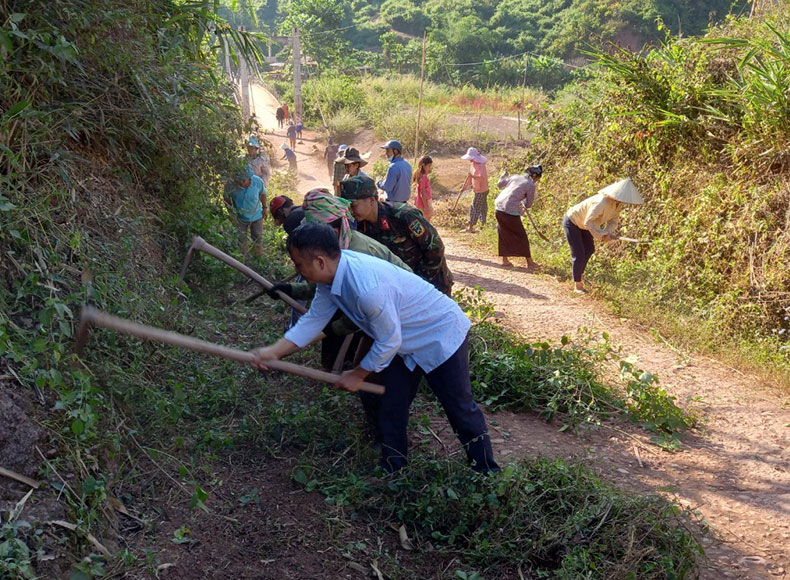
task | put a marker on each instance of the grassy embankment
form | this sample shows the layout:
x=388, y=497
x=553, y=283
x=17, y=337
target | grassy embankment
x=703, y=127
x=114, y=157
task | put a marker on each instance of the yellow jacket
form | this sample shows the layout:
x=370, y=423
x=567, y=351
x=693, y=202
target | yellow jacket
x=597, y=214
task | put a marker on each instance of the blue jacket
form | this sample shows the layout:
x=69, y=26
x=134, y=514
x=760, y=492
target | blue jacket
x=397, y=182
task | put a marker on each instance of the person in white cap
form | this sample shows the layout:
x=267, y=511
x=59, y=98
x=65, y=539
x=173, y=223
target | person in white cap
x=258, y=162
x=596, y=218
x=478, y=179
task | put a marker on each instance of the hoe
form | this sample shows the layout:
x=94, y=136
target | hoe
x=201, y=245
x=91, y=317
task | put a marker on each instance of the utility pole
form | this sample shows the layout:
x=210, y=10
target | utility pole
x=419, y=106
x=245, y=85
x=523, y=89
x=297, y=56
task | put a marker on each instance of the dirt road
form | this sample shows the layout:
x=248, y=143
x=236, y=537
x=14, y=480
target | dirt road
x=312, y=170
x=734, y=470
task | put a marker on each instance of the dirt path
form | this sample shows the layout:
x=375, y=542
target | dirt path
x=735, y=469
x=312, y=170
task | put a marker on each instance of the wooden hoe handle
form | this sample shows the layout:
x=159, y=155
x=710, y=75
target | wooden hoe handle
x=199, y=244
x=93, y=317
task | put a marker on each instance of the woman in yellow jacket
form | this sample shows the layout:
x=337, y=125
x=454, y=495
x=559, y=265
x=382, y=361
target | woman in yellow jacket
x=596, y=218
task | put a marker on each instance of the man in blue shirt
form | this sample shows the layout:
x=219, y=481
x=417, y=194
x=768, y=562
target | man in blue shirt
x=397, y=182
x=245, y=197
x=416, y=330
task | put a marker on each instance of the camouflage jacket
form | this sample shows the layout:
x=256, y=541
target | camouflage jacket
x=403, y=229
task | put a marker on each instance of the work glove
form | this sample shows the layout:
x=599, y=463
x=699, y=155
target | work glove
x=340, y=327
x=283, y=287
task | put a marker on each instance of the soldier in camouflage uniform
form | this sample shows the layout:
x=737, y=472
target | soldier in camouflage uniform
x=402, y=228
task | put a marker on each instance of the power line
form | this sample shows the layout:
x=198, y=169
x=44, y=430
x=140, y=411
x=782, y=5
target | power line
x=322, y=32
x=512, y=56
x=460, y=64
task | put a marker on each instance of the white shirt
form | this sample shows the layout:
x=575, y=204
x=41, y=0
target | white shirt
x=404, y=314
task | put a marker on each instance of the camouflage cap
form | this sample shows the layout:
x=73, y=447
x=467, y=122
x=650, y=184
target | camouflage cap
x=358, y=187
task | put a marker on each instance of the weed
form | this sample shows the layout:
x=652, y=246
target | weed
x=343, y=125
x=564, y=380
x=653, y=407
x=545, y=515
x=15, y=555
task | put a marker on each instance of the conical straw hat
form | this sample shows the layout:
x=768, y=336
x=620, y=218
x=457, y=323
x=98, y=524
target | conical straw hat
x=624, y=191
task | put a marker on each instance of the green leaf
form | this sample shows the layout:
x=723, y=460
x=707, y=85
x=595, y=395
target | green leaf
x=16, y=109
x=199, y=498
x=300, y=476
x=78, y=427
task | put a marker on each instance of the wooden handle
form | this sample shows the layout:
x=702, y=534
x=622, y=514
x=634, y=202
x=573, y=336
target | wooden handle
x=91, y=315
x=202, y=245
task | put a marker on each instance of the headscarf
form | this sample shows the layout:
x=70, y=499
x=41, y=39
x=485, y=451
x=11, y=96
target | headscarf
x=320, y=206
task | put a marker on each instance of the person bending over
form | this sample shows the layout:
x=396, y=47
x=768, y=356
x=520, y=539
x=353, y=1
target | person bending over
x=417, y=332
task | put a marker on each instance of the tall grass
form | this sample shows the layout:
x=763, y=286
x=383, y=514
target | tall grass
x=388, y=104
x=703, y=128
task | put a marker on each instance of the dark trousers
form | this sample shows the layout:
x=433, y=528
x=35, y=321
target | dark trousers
x=451, y=384
x=582, y=247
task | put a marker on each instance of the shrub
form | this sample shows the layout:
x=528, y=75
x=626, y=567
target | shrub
x=554, y=519
x=343, y=125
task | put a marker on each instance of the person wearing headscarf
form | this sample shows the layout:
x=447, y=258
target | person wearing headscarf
x=320, y=206
x=478, y=179
x=596, y=218
x=517, y=195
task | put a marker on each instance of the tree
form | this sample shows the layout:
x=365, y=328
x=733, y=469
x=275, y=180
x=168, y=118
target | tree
x=404, y=16
x=317, y=21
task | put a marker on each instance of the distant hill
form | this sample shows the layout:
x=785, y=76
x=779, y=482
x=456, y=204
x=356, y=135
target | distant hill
x=386, y=35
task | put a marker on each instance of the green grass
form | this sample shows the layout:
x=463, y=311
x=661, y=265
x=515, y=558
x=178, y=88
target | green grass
x=542, y=517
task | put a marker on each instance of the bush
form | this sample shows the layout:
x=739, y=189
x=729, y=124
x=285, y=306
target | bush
x=703, y=134
x=343, y=125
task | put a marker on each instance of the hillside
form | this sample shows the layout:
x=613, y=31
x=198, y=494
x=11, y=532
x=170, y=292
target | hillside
x=387, y=35
x=132, y=459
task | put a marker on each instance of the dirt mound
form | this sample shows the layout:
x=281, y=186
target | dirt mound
x=19, y=435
